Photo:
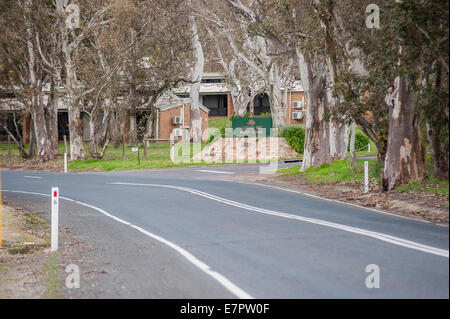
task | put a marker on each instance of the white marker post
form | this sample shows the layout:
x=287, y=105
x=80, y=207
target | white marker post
x=368, y=147
x=55, y=213
x=65, y=162
x=366, y=176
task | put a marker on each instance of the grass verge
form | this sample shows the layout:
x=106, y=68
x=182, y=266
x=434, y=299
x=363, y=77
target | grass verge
x=341, y=171
x=51, y=278
x=338, y=171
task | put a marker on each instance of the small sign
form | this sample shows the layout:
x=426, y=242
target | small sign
x=135, y=149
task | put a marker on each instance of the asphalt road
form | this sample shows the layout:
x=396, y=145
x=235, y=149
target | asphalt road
x=219, y=239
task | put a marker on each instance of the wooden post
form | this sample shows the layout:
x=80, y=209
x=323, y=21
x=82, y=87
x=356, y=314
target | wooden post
x=144, y=142
x=123, y=149
x=26, y=128
x=9, y=145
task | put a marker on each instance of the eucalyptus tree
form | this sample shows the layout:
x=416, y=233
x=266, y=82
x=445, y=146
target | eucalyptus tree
x=25, y=44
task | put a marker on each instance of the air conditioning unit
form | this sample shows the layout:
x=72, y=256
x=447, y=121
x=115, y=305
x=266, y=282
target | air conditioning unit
x=298, y=104
x=297, y=115
x=177, y=132
x=177, y=120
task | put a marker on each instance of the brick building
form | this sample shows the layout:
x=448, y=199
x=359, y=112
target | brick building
x=215, y=95
x=174, y=117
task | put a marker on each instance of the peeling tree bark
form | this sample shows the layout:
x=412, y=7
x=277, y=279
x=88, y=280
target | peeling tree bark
x=317, y=142
x=405, y=158
x=276, y=104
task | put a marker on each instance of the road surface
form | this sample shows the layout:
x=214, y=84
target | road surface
x=187, y=233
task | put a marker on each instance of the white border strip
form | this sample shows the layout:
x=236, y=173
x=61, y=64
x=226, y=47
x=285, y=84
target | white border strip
x=335, y=201
x=214, y=172
x=380, y=236
x=226, y=283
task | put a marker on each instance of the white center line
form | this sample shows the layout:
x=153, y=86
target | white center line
x=32, y=176
x=216, y=172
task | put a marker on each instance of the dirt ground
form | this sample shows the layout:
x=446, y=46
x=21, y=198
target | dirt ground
x=15, y=163
x=28, y=270
x=25, y=250
x=430, y=207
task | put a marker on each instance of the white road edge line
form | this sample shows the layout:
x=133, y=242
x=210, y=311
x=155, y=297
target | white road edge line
x=334, y=201
x=380, y=236
x=27, y=176
x=215, y=172
x=226, y=283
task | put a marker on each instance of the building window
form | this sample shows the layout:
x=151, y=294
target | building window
x=217, y=104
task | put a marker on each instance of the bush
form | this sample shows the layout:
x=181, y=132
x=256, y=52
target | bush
x=295, y=137
x=266, y=114
x=361, y=141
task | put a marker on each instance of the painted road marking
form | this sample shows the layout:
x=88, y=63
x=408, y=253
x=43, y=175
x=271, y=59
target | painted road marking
x=216, y=172
x=332, y=200
x=226, y=283
x=380, y=236
x=27, y=176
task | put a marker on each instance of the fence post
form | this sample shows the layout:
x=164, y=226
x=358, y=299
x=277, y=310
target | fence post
x=145, y=148
x=123, y=149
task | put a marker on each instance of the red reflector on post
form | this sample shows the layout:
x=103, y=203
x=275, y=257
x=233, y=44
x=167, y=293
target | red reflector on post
x=55, y=194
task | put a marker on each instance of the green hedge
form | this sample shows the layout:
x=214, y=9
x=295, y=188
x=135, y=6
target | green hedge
x=295, y=137
x=361, y=141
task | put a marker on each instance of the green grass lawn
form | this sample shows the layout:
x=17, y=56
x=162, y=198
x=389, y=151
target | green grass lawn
x=158, y=156
x=219, y=122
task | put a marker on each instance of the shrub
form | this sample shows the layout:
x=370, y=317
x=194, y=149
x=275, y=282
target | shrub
x=295, y=137
x=266, y=114
x=361, y=141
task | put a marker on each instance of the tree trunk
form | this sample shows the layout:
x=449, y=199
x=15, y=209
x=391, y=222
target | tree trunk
x=51, y=114
x=240, y=100
x=40, y=128
x=276, y=105
x=196, y=120
x=440, y=157
x=317, y=141
x=99, y=134
x=339, y=139
x=404, y=159
x=32, y=141
x=133, y=99
x=75, y=123
x=76, y=134
x=352, y=144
